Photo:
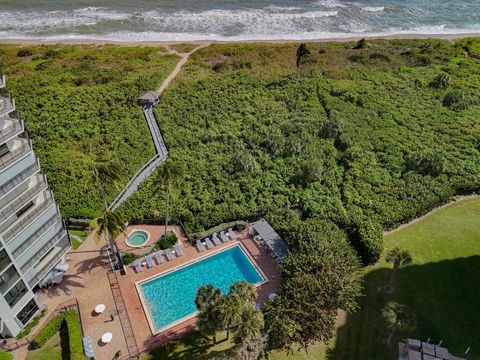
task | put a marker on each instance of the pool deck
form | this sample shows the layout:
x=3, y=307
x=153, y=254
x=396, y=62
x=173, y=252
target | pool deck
x=88, y=281
x=144, y=337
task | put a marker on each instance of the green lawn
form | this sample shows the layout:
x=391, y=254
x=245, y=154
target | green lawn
x=50, y=351
x=441, y=286
x=82, y=234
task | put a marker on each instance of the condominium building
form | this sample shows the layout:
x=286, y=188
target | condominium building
x=33, y=237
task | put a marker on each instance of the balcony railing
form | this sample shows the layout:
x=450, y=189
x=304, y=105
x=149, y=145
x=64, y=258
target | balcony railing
x=65, y=245
x=7, y=105
x=14, y=155
x=35, y=236
x=27, y=219
x=16, y=127
x=45, y=248
x=23, y=199
x=19, y=178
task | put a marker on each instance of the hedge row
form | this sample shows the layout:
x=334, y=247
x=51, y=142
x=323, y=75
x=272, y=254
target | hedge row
x=46, y=333
x=74, y=335
x=6, y=356
x=28, y=329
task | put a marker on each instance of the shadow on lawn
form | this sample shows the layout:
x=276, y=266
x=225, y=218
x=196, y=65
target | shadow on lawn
x=193, y=345
x=444, y=297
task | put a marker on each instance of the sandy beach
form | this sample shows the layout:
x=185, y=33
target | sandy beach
x=208, y=42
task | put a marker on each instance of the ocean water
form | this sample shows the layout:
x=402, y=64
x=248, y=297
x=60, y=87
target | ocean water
x=176, y=20
x=171, y=297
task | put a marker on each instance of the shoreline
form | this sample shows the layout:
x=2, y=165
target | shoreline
x=92, y=41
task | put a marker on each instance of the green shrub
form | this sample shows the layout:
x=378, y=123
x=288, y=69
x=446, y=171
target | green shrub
x=456, y=100
x=34, y=322
x=369, y=241
x=129, y=257
x=361, y=44
x=6, y=355
x=47, y=331
x=166, y=241
x=24, y=52
x=441, y=81
x=74, y=335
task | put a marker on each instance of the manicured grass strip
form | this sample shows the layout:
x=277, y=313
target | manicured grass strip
x=440, y=287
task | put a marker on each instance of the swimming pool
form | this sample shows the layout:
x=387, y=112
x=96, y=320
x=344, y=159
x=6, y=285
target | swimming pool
x=170, y=298
x=137, y=238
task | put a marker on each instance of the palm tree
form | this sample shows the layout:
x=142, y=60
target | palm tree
x=110, y=224
x=166, y=175
x=250, y=326
x=243, y=293
x=105, y=173
x=398, y=317
x=230, y=313
x=207, y=301
x=399, y=258
x=302, y=53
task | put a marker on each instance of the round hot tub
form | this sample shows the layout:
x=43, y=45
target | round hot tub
x=137, y=238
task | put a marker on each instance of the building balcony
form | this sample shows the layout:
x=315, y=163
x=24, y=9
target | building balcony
x=7, y=104
x=28, y=217
x=50, y=260
x=24, y=196
x=21, y=177
x=10, y=127
x=18, y=148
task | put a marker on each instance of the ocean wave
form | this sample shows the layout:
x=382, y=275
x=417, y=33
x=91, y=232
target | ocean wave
x=373, y=8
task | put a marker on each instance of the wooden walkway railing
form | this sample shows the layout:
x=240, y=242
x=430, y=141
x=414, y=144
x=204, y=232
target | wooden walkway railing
x=150, y=166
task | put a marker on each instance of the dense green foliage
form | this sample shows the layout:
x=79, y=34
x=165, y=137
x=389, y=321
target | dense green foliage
x=319, y=278
x=6, y=355
x=80, y=102
x=74, y=335
x=166, y=241
x=47, y=331
x=367, y=138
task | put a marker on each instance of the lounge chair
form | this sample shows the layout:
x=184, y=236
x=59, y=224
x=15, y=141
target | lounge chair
x=149, y=261
x=158, y=256
x=200, y=246
x=208, y=243
x=216, y=240
x=137, y=264
x=168, y=254
x=223, y=236
x=230, y=233
x=178, y=250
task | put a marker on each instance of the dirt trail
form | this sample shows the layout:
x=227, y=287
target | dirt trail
x=183, y=59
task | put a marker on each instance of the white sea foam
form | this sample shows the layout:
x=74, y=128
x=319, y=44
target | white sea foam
x=373, y=8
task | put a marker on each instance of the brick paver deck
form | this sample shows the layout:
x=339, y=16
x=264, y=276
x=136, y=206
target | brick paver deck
x=143, y=334
x=87, y=280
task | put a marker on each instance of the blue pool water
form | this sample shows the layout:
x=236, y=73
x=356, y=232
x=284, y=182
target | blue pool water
x=171, y=297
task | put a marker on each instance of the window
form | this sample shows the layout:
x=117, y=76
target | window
x=16, y=293
x=27, y=312
x=8, y=278
x=24, y=209
x=4, y=150
x=4, y=260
